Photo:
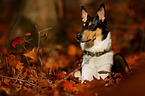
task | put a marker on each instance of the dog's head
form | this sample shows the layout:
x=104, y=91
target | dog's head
x=94, y=28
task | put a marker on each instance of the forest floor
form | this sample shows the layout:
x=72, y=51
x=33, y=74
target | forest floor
x=44, y=71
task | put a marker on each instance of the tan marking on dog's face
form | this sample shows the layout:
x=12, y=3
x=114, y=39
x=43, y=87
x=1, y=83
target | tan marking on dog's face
x=92, y=35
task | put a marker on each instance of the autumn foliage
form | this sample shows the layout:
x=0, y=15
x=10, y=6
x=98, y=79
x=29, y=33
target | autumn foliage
x=41, y=72
x=45, y=71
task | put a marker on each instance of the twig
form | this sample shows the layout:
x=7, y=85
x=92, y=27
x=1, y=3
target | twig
x=39, y=32
x=38, y=46
x=67, y=76
x=25, y=48
x=45, y=29
x=19, y=80
x=28, y=41
x=41, y=69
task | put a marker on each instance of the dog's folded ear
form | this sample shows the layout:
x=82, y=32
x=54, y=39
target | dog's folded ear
x=101, y=12
x=84, y=14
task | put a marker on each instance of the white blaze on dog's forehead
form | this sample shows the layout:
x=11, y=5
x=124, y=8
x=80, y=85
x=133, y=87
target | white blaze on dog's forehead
x=84, y=15
x=101, y=14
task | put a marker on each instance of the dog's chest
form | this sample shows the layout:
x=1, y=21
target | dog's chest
x=98, y=61
x=91, y=66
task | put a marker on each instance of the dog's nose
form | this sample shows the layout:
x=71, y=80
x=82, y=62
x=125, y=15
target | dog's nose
x=79, y=37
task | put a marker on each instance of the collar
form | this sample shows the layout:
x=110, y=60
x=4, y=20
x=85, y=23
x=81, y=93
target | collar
x=97, y=54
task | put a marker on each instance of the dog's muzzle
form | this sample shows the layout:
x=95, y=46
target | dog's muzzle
x=79, y=38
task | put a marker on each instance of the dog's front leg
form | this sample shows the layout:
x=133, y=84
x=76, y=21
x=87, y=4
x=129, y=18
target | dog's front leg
x=87, y=73
x=104, y=71
x=88, y=70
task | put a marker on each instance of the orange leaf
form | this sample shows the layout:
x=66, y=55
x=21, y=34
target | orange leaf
x=16, y=41
x=27, y=34
x=19, y=65
x=45, y=35
x=62, y=74
x=68, y=86
x=32, y=54
x=12, y=60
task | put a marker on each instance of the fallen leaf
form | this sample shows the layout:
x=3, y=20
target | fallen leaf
x=27, y=34
x=19, y=65
x=62, y=74
x=32, y=54
x=16, y=41
x=67, y=86
x=12, y=60
x=45, y=35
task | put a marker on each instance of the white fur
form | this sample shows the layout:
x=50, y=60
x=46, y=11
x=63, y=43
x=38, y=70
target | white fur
x=99, y=46
x=92, y=65
x=96, y=64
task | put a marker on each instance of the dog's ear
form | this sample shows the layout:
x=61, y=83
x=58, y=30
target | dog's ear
x=101, y=12
x=84, y=14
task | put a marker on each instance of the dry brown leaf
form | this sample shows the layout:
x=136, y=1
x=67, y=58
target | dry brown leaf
x=32, y=54
x=16, y=41
x=12, y=60
x=19, y=65
x=27, y=34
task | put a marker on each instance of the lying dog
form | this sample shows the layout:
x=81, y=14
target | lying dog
x=95, y=40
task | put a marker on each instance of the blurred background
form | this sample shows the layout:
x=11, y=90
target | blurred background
x=125, y=19
x=60, y=21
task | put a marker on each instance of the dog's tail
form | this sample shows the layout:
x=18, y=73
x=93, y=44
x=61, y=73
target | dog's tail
x=120, y=65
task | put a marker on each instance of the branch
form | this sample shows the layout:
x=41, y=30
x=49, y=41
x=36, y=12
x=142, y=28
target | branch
x=65, y=78
x=41, y=67
x=38, y=46
x=45, y=29
x=19, y=80
x=39, y=34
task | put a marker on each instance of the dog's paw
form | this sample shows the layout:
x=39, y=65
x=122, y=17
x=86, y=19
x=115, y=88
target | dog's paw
x=77, y=74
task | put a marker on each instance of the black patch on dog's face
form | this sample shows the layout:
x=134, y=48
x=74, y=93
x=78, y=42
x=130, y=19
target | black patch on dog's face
x=92, y=23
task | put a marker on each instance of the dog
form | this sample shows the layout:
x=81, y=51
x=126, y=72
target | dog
x=98, y=59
